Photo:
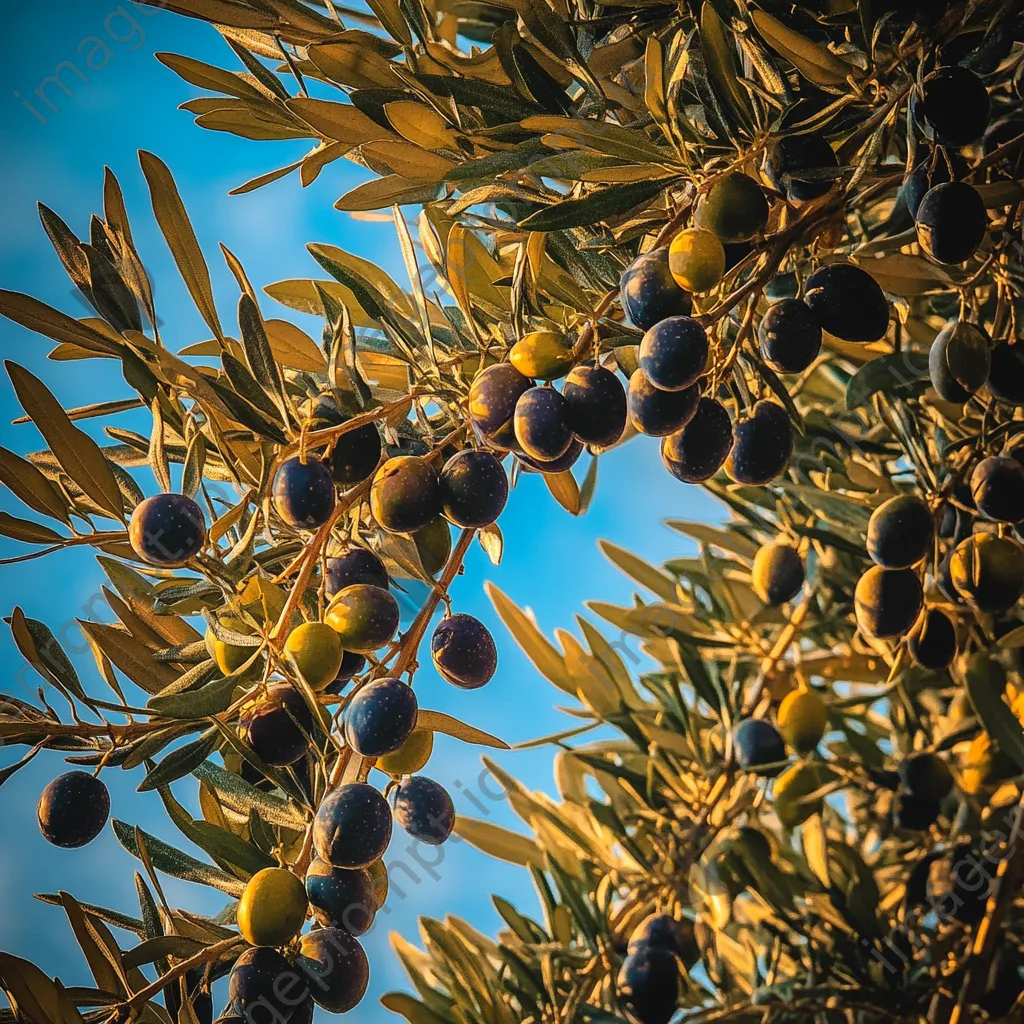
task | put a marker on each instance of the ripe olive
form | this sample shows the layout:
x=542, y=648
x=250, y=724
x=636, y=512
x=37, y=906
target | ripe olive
x=778, y=573
x=758, y=746
x=167, y=530
x=658, y=413
x=355, y=455
x=698, y=451
x=559, y=465
x=887, y=601
x=932, y=644
x=848, y=302
x=597, y=405
x=356, y=565
x=789, y=336
x=674, y=353
x=926, y=775
x=335, y=968
x=463, y=651
x=276, y=725
x=405, y=494
x=938, y=167
x=649, y=293
x=73, y=809
x=541, y=423
x=648, y=984
x=303, y=493
x=997, y=486
x=959, y=361
x=380, y=717
x=272, y=908
x=1006, y=376
x=953, y=106
x=352, y=827
x=425, y=810
x=762, y=445
x=901, y=532
x=341, y=897
x=802, y=166
x=951, y=222
x=474, y=489
x=988, y=571
x=352, y=665
x=264, y=986
x=492, y=403
x=661, y=931
x=914, y=813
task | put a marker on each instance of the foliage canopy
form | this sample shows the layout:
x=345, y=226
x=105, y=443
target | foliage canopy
x=836, y=156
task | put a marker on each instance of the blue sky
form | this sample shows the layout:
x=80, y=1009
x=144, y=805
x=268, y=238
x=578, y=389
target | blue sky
x=551, y=560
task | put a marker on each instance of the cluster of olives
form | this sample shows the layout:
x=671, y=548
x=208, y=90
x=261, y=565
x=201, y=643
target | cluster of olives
x=983, y=568
x=761, y=748
x=346, y=882
x=669, y=394
x=546, y=429
x=952, y=109
x=648, y=980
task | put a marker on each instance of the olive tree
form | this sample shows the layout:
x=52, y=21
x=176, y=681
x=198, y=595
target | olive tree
x=784, y=238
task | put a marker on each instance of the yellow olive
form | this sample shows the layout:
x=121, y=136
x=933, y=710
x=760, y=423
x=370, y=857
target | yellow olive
x=317, y=652
x=988, y=571
x=365, y=617
x=1017, y=706
x=778, y=573
x=792, y=788
x=984, y=765
x=379, y=876
x=543, y=355
x=272, y=908
x=802, y=720
x=411, y=756
x=696, y=259
x=229, y=657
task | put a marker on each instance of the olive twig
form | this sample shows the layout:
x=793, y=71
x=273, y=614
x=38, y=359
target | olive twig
x=143, y=996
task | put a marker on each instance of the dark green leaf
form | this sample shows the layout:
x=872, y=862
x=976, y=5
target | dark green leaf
x=179, y=763
x=598, y=206
x=173, y=862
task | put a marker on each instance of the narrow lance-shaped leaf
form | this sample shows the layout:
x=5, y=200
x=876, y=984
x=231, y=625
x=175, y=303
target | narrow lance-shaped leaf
x=258, y=352
x=78, y=454
x=173, y=862
x=181, y=238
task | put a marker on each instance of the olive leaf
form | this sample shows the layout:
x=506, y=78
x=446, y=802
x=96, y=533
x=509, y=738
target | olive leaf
x=181, y=239
x=173, y=862
x=597, y=206
x=814, y=61
x=78, y=454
